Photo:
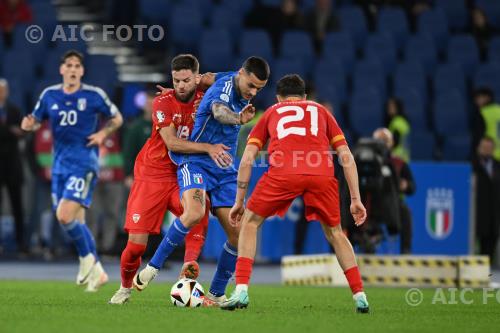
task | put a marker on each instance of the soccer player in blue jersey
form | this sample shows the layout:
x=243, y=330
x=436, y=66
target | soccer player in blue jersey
x=224, y=108
x=73, y=109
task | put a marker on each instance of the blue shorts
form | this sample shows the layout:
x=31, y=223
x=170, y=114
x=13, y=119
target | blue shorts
x=77, y=186
x=220, y=186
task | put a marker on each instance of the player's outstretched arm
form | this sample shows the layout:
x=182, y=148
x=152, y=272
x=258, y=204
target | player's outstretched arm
x=223, y=114
x=358, y=211
x=29, y=123
x=216, y=151
x=244, y=174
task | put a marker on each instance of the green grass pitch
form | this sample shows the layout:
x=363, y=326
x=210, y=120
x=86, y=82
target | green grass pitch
x=34, y=306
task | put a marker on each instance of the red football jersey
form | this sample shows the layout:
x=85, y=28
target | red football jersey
x=300, y=135
x=152, y=162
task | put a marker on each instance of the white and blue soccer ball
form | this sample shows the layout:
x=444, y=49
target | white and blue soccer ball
x=187, y=293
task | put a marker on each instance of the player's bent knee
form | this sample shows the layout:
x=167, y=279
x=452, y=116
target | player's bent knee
x=191, y=218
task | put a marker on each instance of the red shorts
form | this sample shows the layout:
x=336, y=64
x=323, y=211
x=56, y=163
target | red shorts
x=147, y=204
x=274, y=194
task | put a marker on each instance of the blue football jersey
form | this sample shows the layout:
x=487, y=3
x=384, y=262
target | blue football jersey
x=73, y=117
x=207, y=129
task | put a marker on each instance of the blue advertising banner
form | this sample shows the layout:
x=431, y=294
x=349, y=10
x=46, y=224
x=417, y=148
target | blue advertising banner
x=441, y=208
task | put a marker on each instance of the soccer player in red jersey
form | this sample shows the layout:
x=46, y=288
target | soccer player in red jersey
x=300, y=134
x=155, y=189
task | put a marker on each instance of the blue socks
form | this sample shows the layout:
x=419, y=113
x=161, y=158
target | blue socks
x=225, y=269
x=76, y=232
x=174, y=237
x=90, y=241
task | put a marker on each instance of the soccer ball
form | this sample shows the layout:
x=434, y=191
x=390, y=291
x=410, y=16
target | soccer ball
x=187, y=293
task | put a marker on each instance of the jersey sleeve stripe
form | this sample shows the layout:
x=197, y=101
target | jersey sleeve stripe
x=337, y=139
x=255, y=141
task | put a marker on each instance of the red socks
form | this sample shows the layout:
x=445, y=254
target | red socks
x=243, y=270
x=195, y=239
x=354, y=278
x=130, y=262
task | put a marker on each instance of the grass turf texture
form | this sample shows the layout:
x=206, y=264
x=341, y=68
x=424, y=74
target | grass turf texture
x=34, y=306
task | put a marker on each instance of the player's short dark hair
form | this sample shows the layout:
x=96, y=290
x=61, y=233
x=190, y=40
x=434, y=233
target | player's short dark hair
x=185, y=61
x=291, y=85
x=72, y=53
x=258, y=66
x=484, y=91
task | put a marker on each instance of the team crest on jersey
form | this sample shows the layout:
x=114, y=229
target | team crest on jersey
x=198, y=178
x=161, y=116
x=224, y=97
x=82, y=104
x=136, y=217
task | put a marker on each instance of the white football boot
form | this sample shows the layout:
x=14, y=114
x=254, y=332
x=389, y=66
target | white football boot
x=121, y=296
x=87, y=263
x=97, y=278
x=143, y=278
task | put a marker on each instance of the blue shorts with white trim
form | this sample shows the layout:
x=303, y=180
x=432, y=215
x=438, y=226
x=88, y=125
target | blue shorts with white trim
x=220, y=186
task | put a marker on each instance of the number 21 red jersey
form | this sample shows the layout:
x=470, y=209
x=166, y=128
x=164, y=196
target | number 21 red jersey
x=300, y=135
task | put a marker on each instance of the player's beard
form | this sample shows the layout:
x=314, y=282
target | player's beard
x=187, y=97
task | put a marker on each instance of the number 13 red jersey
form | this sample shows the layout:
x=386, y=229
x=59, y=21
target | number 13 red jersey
x=300, y=135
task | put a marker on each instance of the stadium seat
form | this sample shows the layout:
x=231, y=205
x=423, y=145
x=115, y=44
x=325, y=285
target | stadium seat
x=353, y=20
x=434, y=23
x=449, y=76
x=488, y=75
x=216, y=50
x=422, y=145
x=224, y=18
x=456, y=13
x=420, y=48
x=298, y=45
x=241, y=6
x=186, y=27
x=271, y=3
x=381, y=46
x=369, y=75
x=2, y=50
x=256, y=42
x=492, y=10
x=20, y=65
x=393, y=20
x=457, y=147
x=205, y=6
x=365, y=112
x=329, y=74
x=39, y=87
x=414, y=107
x=340, y=45
x=463, y=50
x=410, y=75
x=21, y=45
x=283, y=67
x=154, y=11
x=17, y=95
x=494, y=49
x=449, y=114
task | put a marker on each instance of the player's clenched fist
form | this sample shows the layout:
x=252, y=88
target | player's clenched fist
x=247, y=114
x=29, y=123
x=358, y=212
x=236, y=213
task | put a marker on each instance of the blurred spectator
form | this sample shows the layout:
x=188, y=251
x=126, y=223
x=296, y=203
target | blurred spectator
x=320, y=20
x=11, y=168
x=275, y=20
x=42, y=220
x=482, y=30
x=487, y=172
x=104, y=215
x=417, y=7
x=136, y=134
x=488, y=123
x=406, y=187
x=397, y=122
x=13, y=12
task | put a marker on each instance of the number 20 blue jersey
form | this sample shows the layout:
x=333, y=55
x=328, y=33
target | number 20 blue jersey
x=73, y=117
